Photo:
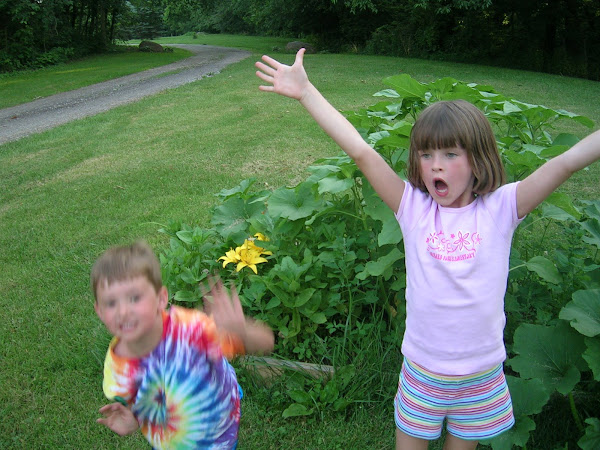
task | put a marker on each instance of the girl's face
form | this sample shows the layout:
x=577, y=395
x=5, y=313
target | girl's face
x=448, y=176
x=132, y=311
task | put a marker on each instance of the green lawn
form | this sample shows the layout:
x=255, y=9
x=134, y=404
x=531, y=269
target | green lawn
x=69, y=193
x=21, y=87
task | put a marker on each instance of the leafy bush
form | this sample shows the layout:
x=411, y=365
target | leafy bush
x=321, y=263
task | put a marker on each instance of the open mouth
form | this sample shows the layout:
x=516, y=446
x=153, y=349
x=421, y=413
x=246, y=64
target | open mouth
x=441, y=188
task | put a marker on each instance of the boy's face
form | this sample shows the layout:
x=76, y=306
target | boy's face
x=132, y=311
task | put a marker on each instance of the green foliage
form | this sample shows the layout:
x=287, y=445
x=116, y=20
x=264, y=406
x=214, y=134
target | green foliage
x=334, y=273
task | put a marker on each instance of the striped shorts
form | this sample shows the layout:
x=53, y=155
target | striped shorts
x=475, y=407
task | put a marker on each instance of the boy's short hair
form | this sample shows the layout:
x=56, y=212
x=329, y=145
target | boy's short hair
x=457, y=123
x=126, y=262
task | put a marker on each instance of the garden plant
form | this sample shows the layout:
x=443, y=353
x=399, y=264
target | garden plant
x=321, y=262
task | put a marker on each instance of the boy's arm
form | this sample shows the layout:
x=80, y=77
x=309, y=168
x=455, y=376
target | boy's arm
x=228, y=315
x=534, y=189
x=292, y=81
x=118, y=418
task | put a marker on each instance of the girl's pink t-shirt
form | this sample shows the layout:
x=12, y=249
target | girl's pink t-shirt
x=457, y=262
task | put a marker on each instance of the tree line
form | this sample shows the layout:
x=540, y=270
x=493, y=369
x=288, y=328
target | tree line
x=562, y=36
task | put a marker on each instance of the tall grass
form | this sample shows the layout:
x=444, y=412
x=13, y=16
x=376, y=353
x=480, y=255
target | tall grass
x=69, y=193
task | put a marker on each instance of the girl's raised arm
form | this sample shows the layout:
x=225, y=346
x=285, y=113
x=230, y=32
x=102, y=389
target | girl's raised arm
x=292, y=81
x=534, y=189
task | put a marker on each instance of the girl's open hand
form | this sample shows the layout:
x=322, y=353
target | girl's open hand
x=290, y=81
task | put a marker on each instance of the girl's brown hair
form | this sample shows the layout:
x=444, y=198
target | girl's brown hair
x=457, y=123
x=124, y=263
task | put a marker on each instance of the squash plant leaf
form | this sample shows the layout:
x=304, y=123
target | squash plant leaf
x=592, y=356
x=294, y=204
x=517, y=435
x=552, y=354
x=591, y=438
x=528, y=397
x=406, y=86
x=593, y=227
x=232, y=216
x=583, y=312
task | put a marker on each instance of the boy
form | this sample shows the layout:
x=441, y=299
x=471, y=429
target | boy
x=166, y=369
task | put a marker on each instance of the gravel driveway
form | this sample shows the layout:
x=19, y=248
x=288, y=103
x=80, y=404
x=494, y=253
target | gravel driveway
x=40, y=115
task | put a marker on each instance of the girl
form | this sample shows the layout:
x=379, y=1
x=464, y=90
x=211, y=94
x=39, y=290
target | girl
x=457, y=218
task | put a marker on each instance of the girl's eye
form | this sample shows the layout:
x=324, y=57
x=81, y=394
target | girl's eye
x=135, y=298
x=111, y=304
x=452, y=155
x=425, y=155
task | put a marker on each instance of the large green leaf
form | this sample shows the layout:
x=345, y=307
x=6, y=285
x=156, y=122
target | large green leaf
x=591, y=439
x=335, y=185
x=544, y=268
x=517, y=435
x=294, y=204
x=406, y=86
x=584, y=312
x=592, y=225
x=552, y=354
x=528, y=396
x=232, y=216
x=592, y=356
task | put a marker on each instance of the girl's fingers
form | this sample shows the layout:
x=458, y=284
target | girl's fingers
x=264, y=68
x=264, y=77
x=270, y=61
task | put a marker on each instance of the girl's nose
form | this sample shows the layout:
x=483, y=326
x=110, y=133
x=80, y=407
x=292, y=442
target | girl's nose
x=436, y=163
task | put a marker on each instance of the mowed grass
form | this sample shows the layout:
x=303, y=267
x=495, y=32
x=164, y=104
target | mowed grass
x=25, y=86
x=71, y=192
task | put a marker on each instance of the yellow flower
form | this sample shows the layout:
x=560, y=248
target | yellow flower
x=251, y=243
x=230, y=257
x=249, y=257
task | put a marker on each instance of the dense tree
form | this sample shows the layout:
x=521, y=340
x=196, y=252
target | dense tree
x=34, y=33
x=562, y=36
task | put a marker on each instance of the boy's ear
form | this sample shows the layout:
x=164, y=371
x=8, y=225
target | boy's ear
x=97, y=308
x=163, y=297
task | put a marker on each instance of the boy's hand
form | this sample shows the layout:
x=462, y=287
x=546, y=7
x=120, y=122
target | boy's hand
x=227, y=312
x=290, y=81
x=225, y=309
x=118, y=418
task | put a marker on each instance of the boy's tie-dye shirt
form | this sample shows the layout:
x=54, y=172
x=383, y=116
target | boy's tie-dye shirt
x=184, y=393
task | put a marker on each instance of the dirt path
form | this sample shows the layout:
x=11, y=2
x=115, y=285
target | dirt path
x=40, y=115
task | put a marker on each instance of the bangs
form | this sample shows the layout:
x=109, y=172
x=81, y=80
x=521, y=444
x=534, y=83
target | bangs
x=437, y=130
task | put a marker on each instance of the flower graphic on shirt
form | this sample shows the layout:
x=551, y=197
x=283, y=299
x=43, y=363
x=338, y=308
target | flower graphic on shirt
x=455, y=248
x=433, y=241
x=462, y=241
